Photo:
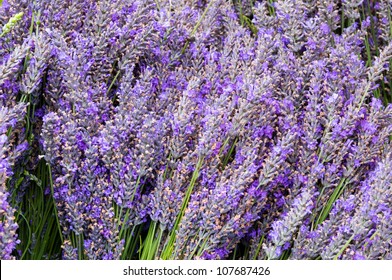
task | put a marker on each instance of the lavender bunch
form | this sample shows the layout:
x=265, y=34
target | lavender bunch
x=196, y=129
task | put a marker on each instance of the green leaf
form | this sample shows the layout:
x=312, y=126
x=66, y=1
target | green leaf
x=11, y=23
x=19, y=181
x=33, y=178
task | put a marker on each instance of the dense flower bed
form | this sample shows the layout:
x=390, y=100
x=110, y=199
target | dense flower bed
x=189, y=129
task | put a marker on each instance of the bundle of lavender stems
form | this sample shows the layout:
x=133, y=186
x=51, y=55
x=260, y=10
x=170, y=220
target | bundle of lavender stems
x=195, y=129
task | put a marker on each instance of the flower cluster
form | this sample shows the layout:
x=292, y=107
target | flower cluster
x=185, y=129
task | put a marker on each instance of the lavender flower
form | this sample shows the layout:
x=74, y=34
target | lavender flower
x=9, y=119
x=8, y=226
x=196, y=129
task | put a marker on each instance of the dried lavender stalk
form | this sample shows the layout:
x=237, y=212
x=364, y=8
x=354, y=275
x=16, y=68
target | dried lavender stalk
x=196, y=129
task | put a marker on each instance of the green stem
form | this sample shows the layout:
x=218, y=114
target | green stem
x=158, y=242
x=80, y=246
x=147, y=245
x=228, y=155
x=344, y=247
x=168, y=249
x=114, y=80
x=54, y=202
x=29, y=235
x=197, y=26
x=259, y=247
x=327, y=207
